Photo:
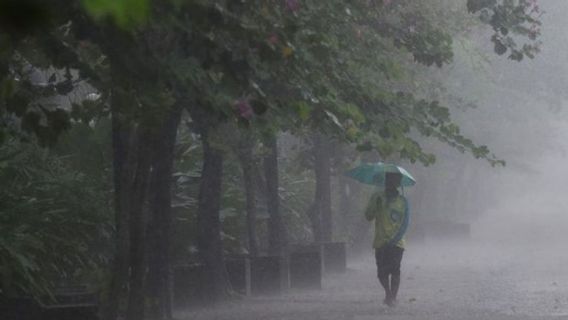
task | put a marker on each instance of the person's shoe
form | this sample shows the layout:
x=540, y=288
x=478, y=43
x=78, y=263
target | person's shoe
x=391, y=302
x=388, y=300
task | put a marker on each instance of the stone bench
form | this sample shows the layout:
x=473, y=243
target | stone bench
x=270, y=274
x=188, y=285
x=68, y=303
x=266, y=274
x=239, y=272
x=19, y=309
x=306, y=266
x=71, y=303
x=335, y=257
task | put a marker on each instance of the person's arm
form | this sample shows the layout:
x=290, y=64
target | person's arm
x=372, y=207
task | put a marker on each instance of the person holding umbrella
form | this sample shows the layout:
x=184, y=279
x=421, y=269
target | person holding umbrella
x=389, y=209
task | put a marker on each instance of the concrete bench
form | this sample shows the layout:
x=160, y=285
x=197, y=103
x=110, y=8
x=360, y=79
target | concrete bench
x=335, y=257
x=306, y=266
x=239, y=272
x=68, y=303
x=188, y=285
x=270, y=274
x=19, y=309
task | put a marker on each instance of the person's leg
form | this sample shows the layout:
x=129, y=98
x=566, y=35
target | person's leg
x=382, y=272
x=396, y=258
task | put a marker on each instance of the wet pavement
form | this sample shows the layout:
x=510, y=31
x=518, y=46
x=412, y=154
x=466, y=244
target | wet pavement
x=464, y=281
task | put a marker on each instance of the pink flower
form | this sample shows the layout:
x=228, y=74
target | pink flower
x=244, y=109
x=292, y=5
x=387, y=2
x=273, y=39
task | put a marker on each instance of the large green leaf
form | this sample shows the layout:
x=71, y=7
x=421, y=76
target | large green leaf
x=126, y=13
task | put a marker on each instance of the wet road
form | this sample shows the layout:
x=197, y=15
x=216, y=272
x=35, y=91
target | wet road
x=439, y=282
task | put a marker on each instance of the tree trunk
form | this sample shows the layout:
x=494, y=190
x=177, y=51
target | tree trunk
x=246, y=159
x=315, y=221
x=209, y=221
x=322, y=209
x=121, y=173
x=138, y=189
x=344, y=204
x=276, y=230
x=159, y=230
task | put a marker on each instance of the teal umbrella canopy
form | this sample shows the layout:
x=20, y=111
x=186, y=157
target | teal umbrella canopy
x=374, y=174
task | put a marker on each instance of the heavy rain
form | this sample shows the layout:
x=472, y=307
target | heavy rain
x=283, y=159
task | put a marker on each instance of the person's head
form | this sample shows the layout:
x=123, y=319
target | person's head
x=392, y=180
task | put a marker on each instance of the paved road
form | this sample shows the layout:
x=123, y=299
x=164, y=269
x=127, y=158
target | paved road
x=440, y=282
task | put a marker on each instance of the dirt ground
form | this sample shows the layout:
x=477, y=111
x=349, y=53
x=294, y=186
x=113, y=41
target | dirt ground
x=439, y=281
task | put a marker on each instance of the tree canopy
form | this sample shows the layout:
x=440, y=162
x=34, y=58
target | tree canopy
x=179, y=85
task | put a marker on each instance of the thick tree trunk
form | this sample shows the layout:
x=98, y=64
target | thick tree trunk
x=119, y=276
x=322, y=167
x=138, y=190
x=209, y=221
x=277, y=234
x=247, y=165
x=159, y=229
x=131, y=176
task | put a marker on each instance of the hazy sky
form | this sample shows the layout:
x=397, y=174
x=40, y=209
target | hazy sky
x=522, y=115
x=532, y=192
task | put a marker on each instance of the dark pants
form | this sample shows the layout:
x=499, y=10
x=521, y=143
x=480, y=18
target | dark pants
x=388, y=260
x=388, y=264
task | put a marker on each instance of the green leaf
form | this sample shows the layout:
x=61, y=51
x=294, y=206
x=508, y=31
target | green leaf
x=303, y=110
x=126, y=14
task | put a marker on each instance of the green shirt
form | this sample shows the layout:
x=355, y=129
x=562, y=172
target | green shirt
x=388, y=216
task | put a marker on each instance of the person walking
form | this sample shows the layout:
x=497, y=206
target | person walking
x=389, y=210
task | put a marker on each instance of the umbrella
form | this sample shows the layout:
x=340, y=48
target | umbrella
x=374, y=174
